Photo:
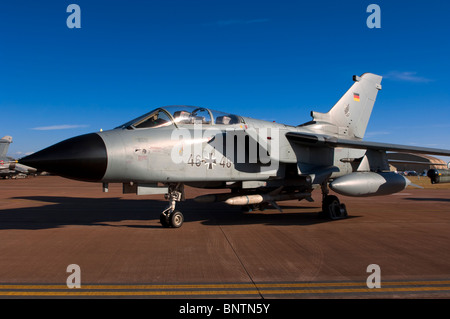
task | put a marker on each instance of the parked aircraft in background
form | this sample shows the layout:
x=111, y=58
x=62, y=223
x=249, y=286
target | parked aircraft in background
x=7, y=164
x=9, y=168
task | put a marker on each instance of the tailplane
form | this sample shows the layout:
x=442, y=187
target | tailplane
x=350, y=115
x=4, y=145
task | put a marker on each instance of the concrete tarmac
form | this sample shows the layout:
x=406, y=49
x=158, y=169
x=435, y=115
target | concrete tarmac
x=48, y=223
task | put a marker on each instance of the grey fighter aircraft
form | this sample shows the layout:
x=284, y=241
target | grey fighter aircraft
x=9, y=168
x=7, y=164
x=259, y=162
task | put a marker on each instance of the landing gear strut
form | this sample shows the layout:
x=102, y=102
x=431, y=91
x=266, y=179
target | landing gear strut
x=171, y=217
x=331, y=207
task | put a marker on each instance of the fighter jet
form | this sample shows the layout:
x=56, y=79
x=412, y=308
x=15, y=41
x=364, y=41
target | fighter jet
x=258, y=162
x=7, y=164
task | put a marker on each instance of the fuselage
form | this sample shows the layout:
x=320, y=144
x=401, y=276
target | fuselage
x=171, y=145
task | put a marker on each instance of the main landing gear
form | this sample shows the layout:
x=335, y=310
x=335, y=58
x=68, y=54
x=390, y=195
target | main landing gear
x=171, y=217
x=331, y=207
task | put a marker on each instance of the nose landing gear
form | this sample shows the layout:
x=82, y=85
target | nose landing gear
x=171, y=217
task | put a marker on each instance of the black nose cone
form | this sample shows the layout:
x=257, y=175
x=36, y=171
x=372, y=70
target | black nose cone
x=83, y=157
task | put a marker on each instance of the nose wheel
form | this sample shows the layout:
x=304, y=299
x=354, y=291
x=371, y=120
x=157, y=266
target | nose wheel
x=174, y=219
x=171, y=217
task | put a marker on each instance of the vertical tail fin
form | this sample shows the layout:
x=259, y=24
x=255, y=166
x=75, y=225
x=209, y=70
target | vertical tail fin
x=350, y=115
x=4, y=145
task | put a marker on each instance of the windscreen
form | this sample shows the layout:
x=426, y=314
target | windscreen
x=181, y=115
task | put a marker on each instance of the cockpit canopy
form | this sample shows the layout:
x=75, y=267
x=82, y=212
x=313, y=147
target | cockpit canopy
x=180, y=115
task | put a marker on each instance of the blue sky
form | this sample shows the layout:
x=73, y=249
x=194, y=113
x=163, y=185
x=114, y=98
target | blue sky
x=275, y=60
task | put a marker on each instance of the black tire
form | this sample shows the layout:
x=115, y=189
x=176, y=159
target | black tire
x=176, y=219
x=332, y=208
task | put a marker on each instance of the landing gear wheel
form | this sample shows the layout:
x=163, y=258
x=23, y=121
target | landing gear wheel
x=332, y=208
x=163, y=218
x=171, y=217
x=176, y=219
